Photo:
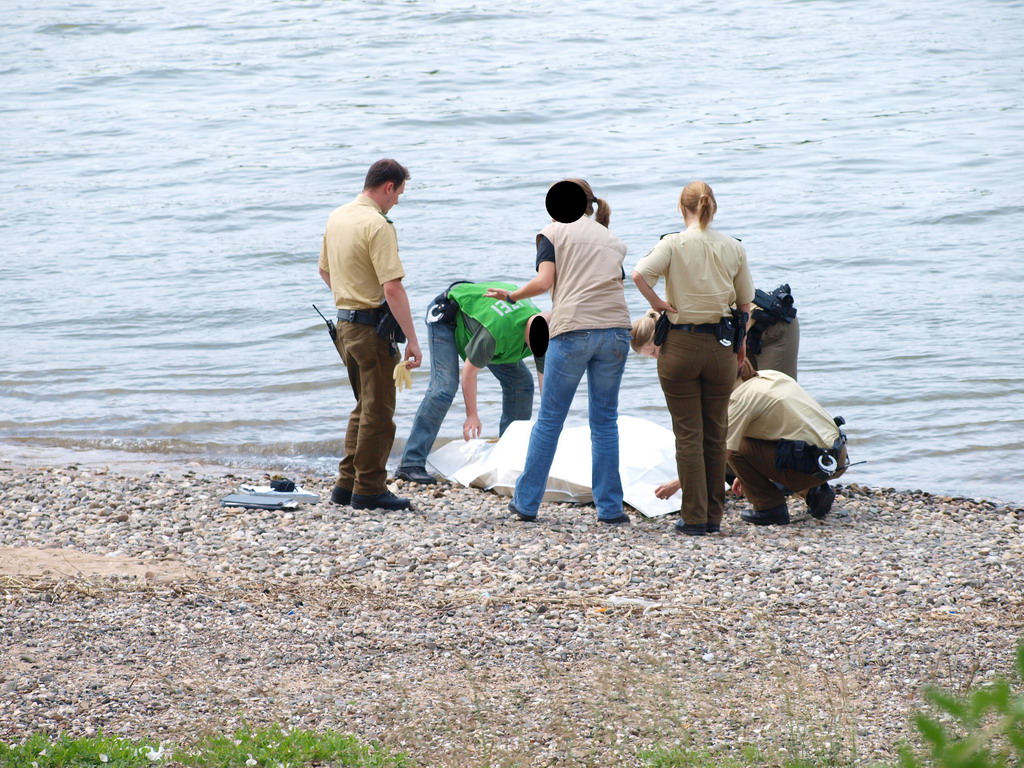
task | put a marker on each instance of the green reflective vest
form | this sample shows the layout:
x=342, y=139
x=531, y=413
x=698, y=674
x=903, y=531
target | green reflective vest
x=505, y=322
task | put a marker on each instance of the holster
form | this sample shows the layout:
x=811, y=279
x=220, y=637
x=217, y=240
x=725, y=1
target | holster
x=769, y=308
x=739, y=330
x=661, y=328
x=388, y=327
x=777, y=305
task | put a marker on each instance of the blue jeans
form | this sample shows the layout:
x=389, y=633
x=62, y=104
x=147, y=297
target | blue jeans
x=601, y=355
x=516, y=393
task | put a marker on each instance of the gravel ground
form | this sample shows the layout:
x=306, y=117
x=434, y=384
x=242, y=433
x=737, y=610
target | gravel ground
x=137, y=605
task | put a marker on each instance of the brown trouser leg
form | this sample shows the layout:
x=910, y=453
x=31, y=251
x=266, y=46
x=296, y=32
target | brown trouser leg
x=697, y=374
x=754, y=465
x=780, y=345
x=371, y=425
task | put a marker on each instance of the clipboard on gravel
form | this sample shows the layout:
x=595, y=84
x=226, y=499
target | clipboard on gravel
x=257, y=501
x=268, y=492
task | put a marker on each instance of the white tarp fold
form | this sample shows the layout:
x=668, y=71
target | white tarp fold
x=646, y=460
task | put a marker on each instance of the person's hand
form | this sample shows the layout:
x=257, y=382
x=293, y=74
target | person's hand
x=667, y=490
x=741, y=354
x=497, y=293
x=737, y=487
x=413, y=355
x=663, y=306
x=471, y=428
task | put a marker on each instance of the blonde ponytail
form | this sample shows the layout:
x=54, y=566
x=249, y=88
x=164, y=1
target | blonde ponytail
x=698, y=199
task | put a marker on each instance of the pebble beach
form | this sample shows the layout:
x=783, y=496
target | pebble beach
x=132, y=603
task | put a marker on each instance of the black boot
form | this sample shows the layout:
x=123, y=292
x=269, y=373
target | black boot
x=386, y=500
x=778, y=515
x=819, y=500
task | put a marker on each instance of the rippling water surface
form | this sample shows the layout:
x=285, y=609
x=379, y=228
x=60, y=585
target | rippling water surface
x=167, y=172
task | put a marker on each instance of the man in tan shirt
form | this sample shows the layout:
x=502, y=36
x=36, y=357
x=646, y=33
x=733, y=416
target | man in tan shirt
x=780, y=435
x=359, y=262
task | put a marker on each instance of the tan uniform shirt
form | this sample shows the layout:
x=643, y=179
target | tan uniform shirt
x=705, y=274
x=772, y=406
x=360, y=252
x=588, y=292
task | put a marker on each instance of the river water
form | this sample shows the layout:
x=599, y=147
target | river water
x=168, y=169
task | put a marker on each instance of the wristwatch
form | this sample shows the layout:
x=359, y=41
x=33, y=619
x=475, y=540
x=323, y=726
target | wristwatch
x=508, y=297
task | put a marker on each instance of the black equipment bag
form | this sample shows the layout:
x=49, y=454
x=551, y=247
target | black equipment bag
x=388, y=327
x=444, y=308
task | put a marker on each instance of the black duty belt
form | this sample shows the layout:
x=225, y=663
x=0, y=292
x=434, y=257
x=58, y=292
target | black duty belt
x=702, y=328
x=364, y=316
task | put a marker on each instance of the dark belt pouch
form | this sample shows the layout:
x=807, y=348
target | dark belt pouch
x=661, y=328
x=388, y=327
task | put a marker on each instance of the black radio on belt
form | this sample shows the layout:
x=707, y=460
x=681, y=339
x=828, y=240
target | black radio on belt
x=330, y=324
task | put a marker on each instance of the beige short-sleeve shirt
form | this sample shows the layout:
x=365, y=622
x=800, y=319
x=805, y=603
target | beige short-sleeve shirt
x=705, y=274
x=360, y=252
x=772, y=406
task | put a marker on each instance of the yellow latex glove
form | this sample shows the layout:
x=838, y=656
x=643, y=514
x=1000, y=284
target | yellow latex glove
x=402, y=377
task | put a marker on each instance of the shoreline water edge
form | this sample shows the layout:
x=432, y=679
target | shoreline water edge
x=135, y=604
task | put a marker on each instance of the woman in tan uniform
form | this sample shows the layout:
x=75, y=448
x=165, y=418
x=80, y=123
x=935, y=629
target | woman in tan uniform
x=705, y=274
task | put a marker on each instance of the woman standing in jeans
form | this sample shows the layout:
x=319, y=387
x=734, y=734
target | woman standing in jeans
x=705, y=274
x=580, y=262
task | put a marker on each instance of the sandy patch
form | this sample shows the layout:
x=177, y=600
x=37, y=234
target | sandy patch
x=32, y=562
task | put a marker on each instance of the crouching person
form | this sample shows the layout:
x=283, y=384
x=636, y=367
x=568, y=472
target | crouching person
x=487, y=333
x=782, y=441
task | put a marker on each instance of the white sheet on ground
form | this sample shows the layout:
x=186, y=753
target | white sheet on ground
x=646, y=460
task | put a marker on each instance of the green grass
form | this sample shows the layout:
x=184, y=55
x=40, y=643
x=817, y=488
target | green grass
x=982, y=728
x=278, y=748
x=265, y=748
x=745, y=757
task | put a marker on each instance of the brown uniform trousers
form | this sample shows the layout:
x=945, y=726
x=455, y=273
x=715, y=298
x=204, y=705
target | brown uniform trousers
x=697, y=374
x=754, y=465
x=780, y=344
x=371, y=426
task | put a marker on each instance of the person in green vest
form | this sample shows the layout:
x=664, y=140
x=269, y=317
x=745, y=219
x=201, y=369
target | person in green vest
x=491, y=333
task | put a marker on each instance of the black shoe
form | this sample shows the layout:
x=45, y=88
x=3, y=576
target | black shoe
x=819, y=500
x=341, y=495
x=692, y=529
x=778, y=515
x=415, y=475
x=520, y=515
x=386, y=500
x=621, y=519
x=712, y=527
